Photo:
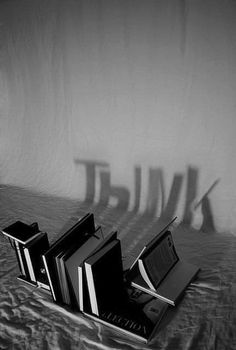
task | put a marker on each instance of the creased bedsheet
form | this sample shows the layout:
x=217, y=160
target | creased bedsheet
x=204, y=319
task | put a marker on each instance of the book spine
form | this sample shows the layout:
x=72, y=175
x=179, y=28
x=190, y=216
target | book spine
x=80, y=281
x=91, y=289
x=65, y=282
x=29, y=264
x=49, y=278
x=58, y=267
x=20, y=258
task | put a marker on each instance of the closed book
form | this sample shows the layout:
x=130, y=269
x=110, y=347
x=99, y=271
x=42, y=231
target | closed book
x=84, y=299
x=104, y=273
x=21, y=232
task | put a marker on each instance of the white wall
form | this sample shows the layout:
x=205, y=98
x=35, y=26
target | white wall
x=130, y=83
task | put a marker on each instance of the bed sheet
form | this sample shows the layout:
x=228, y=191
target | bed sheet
x=29, y=319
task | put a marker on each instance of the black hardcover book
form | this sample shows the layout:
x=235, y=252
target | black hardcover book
x=75, y=236
x=71, y=259
x=84, y=300
x=104, y=274
x=21, y=232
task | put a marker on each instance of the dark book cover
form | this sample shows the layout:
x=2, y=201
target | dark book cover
x=21, y=232
x=84, y=300
x=104, y=272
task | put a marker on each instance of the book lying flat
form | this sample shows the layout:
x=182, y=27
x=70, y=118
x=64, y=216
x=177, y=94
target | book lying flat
x=21, y=232
x=75, y=236
x=139, y=316
x=159, y=271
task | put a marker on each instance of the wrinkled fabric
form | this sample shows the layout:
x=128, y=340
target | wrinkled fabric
x=204, y=319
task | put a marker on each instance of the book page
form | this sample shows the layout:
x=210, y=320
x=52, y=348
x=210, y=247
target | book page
x=160, y=260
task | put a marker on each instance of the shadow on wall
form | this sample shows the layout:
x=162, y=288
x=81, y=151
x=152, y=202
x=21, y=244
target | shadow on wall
x=158, y=205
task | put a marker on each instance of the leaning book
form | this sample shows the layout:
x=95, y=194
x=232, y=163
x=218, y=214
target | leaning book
x=159, y=271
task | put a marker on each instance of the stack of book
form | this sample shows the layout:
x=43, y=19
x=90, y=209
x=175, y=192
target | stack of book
x=84, y=271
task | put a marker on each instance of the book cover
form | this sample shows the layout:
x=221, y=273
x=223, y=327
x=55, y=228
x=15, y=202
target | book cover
x=104, y=273
x=140, y=316
x=84, y=300
x=21, y=232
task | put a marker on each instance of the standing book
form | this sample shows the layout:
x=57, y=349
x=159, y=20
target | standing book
x=84, y=300
x=105, y=281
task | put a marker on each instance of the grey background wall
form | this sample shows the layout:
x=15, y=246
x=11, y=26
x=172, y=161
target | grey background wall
x=135, y=94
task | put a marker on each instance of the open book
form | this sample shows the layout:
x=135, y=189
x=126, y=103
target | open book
x=159, y=271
